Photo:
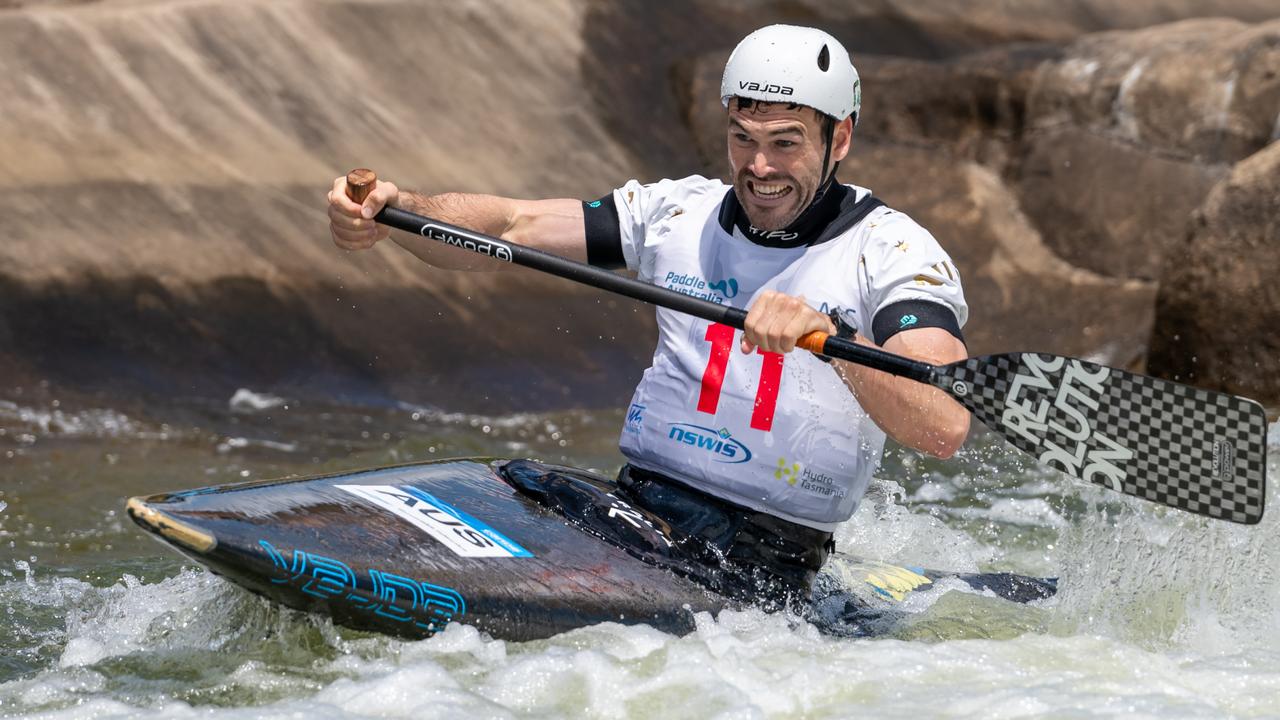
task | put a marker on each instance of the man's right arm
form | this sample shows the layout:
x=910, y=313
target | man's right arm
x=555, y=226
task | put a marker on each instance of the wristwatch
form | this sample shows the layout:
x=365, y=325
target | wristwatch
x=845, y=329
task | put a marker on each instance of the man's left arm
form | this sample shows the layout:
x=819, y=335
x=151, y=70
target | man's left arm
x=914, y=414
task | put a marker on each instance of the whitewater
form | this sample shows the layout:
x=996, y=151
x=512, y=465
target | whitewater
x=1159, y=614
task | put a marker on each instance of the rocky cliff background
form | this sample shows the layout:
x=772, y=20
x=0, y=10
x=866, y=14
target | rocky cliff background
x=1105, y=174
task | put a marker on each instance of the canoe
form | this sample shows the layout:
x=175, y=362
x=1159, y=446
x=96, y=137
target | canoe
x=520, y=549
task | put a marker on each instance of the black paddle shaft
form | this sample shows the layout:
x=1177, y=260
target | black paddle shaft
x=645, y=292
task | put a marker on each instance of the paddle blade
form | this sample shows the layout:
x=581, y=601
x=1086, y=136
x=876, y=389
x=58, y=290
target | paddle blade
x=1193, y=449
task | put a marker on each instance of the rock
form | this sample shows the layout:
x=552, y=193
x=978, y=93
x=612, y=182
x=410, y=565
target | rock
x=164, y=170
x=1219, y=303
x=1206, y=90
x=163, y=164
x=1021, y=296
x=1107, y=206
x=1128, y=131
x=641, y=55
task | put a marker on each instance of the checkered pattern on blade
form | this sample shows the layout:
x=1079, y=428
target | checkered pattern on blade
x=1198, y=450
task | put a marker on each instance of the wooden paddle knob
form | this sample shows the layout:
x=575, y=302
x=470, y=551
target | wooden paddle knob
x=360, y=183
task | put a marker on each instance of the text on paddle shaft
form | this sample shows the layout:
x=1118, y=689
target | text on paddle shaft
x=467, y=241
x=721, y=338
x=1056, y=396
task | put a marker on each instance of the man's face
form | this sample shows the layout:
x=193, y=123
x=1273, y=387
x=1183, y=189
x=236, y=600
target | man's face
x=776, y=152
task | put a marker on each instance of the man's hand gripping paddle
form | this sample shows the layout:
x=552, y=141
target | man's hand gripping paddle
x=1188, y=448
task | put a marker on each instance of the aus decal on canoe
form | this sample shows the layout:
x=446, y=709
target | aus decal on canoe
x=462, y=534
x=395, y=597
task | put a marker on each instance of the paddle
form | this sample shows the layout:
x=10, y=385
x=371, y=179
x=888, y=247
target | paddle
x=1188, y=448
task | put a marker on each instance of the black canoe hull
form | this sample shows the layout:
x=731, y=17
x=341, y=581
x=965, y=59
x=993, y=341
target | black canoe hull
x=518, y=549
x=311, y=545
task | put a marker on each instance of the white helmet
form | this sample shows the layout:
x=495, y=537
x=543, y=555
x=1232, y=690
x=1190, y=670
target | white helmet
x=787, y=63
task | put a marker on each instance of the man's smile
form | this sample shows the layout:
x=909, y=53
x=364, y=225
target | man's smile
x=768, y=193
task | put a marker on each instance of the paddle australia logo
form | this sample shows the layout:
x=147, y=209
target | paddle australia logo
x=727, y=287
x=720, y=444
x=456, y=530
x=1047, y=401
x=696, y=286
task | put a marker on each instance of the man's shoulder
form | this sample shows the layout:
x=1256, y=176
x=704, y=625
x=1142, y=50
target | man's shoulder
x=654, y=200
x=690, y=185
x=888, y=224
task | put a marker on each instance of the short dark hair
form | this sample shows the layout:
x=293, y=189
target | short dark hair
x=826, y=122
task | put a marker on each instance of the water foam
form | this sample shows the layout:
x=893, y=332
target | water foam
x=126, y=638
x=245, y=400
x=1160, y=578
x=93, y=422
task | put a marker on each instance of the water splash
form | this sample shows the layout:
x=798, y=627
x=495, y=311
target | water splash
x=94, y=422
x=245, y=400
x=1163, y=579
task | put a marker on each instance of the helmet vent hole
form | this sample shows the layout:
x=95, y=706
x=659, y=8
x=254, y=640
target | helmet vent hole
x=824, y=59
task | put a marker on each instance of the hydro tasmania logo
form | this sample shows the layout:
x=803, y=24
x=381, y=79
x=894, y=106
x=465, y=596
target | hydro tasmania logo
x=809, y=480
x=719, y=443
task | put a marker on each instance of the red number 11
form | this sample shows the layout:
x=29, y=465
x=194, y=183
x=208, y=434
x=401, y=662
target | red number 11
x=721, y=339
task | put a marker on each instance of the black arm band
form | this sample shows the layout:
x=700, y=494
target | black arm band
x=604, y=236
x=911, y=315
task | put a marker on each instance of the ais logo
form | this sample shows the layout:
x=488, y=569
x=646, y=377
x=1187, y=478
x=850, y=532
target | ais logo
x=635, y=418
x=719, y=443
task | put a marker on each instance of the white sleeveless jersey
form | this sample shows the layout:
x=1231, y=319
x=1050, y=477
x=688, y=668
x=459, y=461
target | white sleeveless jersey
x=781, y=434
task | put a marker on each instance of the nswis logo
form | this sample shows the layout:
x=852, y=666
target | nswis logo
x=719, y=443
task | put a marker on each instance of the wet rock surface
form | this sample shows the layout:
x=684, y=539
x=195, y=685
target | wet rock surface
x=164, y=166
x=1219, y=304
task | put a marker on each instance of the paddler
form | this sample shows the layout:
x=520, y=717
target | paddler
x=752, y=453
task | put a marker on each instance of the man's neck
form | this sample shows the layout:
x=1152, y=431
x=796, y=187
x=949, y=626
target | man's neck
x=807, y=229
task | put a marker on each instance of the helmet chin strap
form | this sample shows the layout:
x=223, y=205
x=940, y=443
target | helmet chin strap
x=827, y=180
x=828, y=135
